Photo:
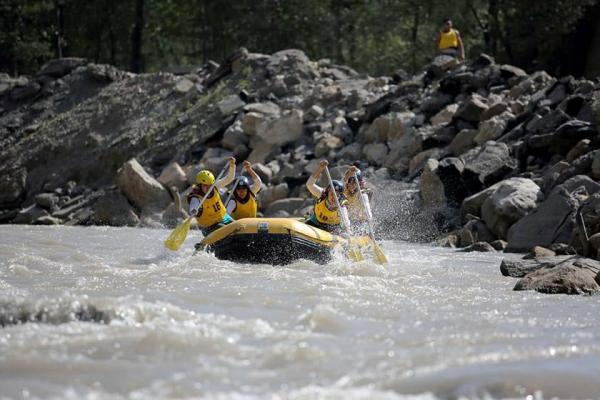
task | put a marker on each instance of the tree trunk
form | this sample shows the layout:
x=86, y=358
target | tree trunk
x=137, y=64
x=414, y=35
x=60, y=27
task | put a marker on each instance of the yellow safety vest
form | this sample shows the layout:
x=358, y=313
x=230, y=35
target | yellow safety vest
x=326, y=216
x=213, y=211
x=245, y=210
x=355, y=207
x=448, y=40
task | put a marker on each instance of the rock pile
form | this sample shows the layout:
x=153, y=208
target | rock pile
x=486, y=151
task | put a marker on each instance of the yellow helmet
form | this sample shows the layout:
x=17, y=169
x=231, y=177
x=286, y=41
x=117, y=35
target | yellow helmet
x=205, y=177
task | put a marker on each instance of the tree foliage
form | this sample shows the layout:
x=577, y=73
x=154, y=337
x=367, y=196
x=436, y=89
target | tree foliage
x=376, y=36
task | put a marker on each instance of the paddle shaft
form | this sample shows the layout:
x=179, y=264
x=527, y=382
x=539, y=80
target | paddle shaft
x=337, y=201
x=364, y=206
x=232, y=191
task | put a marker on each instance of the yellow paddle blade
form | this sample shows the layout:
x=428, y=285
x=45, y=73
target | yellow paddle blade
x=177, y=237
x=360, y=241
x=354, y=254
x=379, y=254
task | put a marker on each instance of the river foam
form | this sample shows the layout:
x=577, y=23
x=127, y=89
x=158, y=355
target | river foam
x=108, y=313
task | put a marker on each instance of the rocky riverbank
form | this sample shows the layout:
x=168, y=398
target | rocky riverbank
x=486, y=155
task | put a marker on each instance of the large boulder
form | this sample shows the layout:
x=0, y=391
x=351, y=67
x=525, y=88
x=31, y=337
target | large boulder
x=512, y=200
x=575, y=275
x=114, y=209
x=173, y=175
x=140, y=188
x=431, y=188
x=282, y=130
x=487, y=165
x=552, y=222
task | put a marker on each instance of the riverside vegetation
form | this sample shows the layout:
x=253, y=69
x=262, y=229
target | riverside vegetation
x=485, y=156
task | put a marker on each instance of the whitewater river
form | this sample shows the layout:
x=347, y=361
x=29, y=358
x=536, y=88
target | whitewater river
x=107, y=313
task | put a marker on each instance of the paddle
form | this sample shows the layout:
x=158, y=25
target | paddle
x=379, y=254
x=232, y=190
x=353, y=252
x=177, y=237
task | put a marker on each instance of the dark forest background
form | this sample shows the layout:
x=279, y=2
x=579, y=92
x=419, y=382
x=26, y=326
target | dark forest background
x=376, y=36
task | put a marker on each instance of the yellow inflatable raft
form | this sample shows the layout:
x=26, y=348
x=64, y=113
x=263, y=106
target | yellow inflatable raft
x=271, y=241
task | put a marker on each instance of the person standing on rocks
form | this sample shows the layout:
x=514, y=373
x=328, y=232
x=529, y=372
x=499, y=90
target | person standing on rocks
x=212, y=214
x=243, y=202
x=326, y=214
x=448, y=41
x=359, y=214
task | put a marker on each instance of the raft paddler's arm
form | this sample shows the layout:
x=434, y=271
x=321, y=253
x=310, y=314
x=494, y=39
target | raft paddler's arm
x=311, y=184
x=313, y=188
x=230, y=206
x=256, y=181
x=194, y=205
x=227, y=179
x=367, y=204
x=344, y=216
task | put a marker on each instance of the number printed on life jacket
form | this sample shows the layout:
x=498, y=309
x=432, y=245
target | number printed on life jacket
x=323, y=217
x=216, y=207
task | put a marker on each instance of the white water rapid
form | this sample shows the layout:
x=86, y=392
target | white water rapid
x=108, y=313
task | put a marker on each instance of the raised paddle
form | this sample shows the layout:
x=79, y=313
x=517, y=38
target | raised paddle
x=379, y=254
x=353, y=252
x=235, y=185
x=177, y=237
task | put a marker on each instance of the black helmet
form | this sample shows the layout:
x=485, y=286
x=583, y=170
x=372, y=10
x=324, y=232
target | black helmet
x=338, y=186
x=243, y=182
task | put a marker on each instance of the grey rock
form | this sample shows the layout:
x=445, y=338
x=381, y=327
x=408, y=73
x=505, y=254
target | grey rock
x=520, y=268
x=114, y=209
x=60, y=67
x=140, y=188
x=431, y=188
x=582, y=147
x=552, y=221
x=47, y=200
x=265, y=173
x=282, y=130
x=487, y=165
x=267, y=108
x=472, y=108
x=173, y=175
x=30, y=214
x=463, y=141
x=25, y=91
x=512, y=200
x=479, y=246
x=575, y=275
x=289, y=205
x=230, y=104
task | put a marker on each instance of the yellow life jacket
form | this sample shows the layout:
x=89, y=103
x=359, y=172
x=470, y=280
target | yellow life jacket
x=326, y=216
x=448, y=40
x=356, y=211
x=213, y=211
x=245, y=210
